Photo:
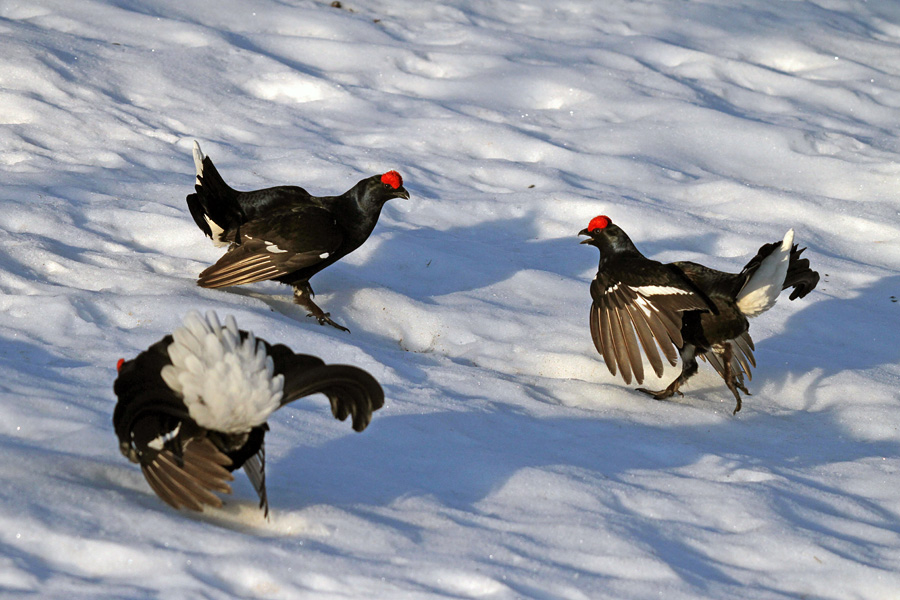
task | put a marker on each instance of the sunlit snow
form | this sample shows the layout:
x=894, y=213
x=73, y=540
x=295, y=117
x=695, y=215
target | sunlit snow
x=507, y=461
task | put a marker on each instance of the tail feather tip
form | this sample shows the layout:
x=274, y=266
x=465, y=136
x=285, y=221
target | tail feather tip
x=788, y=241
x=198, y=160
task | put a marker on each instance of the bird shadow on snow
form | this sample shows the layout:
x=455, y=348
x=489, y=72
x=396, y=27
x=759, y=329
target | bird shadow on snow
x=459, y=459
x=427, y=262
x=835, y=335
x=29, y=358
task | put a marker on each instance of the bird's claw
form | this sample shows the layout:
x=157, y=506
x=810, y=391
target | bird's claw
x=324, y=319
x=737, y=396
x=303, y=297
x=661, y=394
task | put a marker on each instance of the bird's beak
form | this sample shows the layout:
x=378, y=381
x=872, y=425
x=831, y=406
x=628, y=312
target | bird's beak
x=401, y=193
x=585, y=232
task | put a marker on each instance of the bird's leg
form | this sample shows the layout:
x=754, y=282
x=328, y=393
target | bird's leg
x=732, y=380
x=303, y=295
x=688, y=368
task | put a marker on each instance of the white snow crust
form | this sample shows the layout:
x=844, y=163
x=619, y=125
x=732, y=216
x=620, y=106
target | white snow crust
x=507, y=462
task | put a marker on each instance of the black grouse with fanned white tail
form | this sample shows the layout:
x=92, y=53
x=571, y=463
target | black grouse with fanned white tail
x=194, y=406
x=284, y=233
x=684, y=308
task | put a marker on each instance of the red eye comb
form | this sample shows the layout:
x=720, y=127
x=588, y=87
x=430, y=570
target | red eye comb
x=119, y=364
x=392, y=178
x=600, y=222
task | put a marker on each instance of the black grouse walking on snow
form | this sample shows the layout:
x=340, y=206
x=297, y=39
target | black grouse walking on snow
x=684, y=306
x=284, y=233
x=193, y=407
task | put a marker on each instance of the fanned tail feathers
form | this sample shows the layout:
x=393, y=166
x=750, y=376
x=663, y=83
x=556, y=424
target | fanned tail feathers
x=799, y=276
x=763, y=287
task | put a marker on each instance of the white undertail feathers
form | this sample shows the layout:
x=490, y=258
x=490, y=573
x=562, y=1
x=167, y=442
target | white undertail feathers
x=227, y=385
x=762, y=289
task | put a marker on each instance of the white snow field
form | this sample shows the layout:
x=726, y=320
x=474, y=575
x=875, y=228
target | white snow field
x=507, y=461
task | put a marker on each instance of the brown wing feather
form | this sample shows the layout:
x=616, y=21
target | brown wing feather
x=594, y=318
x=747, y=347
x=206, y=463
x=165, y=490
x=251, y=262
x=281, y=243
x=618, y=343
x=741, y=357
x=645, y=335
x=188, y=483
x=603, y=340
x=629, y=341
x=626, y=319
x=187, y=486
x=661, y=334
x=743, y=345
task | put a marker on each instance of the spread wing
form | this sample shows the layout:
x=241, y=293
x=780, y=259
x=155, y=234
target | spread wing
x=255, y=468
x=190, y=479
x=742, y=358
x=283, y=242
x=640, y=306
x=352, y=391
x=154, y=428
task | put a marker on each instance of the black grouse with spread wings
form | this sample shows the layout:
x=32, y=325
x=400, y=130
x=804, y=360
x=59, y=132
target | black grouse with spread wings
x=684, y=308
x=194, y=406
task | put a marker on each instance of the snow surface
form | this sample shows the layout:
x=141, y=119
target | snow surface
x=507, y=462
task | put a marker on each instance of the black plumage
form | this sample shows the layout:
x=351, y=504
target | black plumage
x=185, y=462
x=284, y=233
x=683, y=308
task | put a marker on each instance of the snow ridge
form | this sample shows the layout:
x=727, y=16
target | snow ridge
x=227, y=385
x=763, y=288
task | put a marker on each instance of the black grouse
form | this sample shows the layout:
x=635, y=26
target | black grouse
x=193, y=407
x=284, y=233
x=684, y=306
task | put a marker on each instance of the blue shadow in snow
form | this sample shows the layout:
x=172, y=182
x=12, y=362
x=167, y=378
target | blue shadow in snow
x=460, y=458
